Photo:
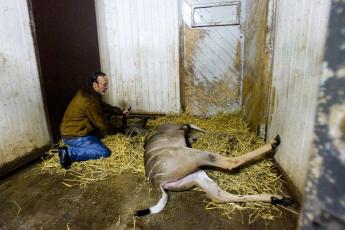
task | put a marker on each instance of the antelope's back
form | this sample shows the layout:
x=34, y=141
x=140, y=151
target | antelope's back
x=159, y=148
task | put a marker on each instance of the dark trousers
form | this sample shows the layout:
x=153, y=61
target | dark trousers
x=86, y=148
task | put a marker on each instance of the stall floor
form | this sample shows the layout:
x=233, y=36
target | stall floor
x=31, y=200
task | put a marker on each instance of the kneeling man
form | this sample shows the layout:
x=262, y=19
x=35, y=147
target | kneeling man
x=84, y=120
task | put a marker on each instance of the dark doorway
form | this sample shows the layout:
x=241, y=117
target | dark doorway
x=67, y=42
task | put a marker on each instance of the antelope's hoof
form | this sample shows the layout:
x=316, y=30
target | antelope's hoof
x=285, y=201
x=276, y=142
x=143, y=212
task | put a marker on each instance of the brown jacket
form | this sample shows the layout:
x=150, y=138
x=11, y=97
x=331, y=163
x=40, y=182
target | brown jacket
x=85, y=115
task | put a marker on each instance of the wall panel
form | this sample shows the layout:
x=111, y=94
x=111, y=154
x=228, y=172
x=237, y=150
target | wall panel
x=139, y=49
x=257, y=61
x=300, y=33
x=22, y=118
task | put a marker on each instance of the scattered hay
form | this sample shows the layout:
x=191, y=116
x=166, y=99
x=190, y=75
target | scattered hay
x=17, y=205
x=127, y=155
x=226, y=134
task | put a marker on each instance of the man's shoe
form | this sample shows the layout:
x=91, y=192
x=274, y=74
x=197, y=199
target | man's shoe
x=65, y=159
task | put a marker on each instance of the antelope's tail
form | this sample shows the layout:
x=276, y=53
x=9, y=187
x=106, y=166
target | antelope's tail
x=157, y=208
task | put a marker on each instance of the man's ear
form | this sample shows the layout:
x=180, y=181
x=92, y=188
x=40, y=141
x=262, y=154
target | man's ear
x=94, y=85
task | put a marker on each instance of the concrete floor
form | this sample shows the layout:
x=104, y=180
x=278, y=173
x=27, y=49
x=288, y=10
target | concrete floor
x=40, y=201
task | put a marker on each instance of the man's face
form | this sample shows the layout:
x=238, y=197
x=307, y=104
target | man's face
x=101, y=85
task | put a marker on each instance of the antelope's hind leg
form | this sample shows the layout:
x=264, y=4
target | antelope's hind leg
x=183, y=184
x=218, y=195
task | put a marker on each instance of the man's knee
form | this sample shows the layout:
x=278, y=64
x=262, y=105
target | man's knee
x=106, y=152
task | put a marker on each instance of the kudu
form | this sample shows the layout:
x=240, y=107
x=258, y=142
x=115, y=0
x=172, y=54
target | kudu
x=131, y=127
x=171, y=164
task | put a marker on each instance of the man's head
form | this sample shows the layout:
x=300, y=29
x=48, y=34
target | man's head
x=99, y=82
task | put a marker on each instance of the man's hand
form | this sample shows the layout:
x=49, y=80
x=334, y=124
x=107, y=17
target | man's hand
x=126, y=112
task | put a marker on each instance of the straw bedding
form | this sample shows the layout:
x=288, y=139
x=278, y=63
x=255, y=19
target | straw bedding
x=226, y=134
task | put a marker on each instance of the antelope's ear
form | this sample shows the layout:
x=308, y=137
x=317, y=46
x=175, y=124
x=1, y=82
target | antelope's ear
x=194, y=127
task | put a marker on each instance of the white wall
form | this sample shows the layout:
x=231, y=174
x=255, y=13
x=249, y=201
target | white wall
x=139, y=50
x=300, y=33
x=23, y=125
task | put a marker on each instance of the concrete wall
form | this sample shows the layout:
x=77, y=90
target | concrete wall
x=22, y=118
x=300, y=33
x=139, y=49
x=211, y=64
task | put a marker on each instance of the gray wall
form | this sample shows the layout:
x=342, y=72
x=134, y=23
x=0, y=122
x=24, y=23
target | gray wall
x=22, y=118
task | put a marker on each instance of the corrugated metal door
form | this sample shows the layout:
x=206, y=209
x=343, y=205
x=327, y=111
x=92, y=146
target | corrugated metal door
x=139, y=49
x=212, y=55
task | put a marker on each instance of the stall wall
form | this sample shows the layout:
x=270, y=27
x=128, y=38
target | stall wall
x=22, y=117
x=257, y=59
x=211, y=63
x=139, y=50
x=300, y=34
